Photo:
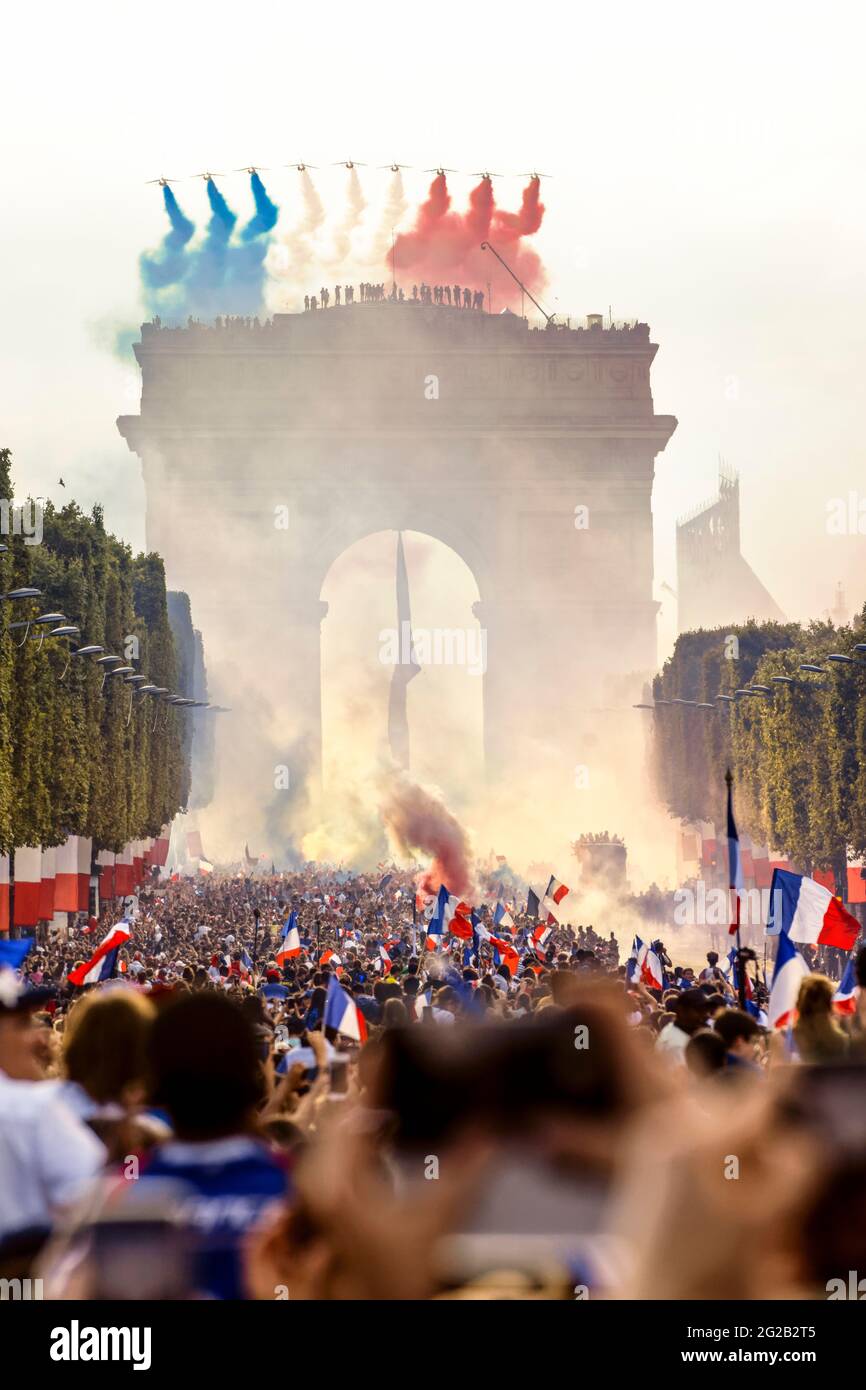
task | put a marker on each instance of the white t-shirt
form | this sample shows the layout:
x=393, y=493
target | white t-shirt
x=674, y=1042
x=48, y=1156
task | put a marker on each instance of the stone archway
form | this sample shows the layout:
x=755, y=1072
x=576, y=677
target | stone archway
x=329, y=416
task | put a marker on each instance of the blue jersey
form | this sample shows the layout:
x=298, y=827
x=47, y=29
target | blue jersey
x=229, y=1184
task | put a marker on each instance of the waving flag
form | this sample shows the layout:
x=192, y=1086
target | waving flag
x=735, y=863
x=383, y=882
x=791, y=969
x=452, y=914
x=386, y=961
x=632, y=973
x=845, y=998
x=330, y=958
x=650, y=968
x=540, y=938
x=291, y=946
x=556, y=891
x=535, y=908
x=342, y=1013
x=502, y=918
x=102, y=963
x=504, y=954
x=808, y=913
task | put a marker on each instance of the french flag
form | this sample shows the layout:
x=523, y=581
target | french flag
x=503, y=918
x=104, y=959
x=453, y=914
x=845, y=998
x=556, y=891
x=535, y=908
x=504, y=954
x=386, y=961
x=808, y=913
x=330, y=957
x=541, y=936
x=291, y=946
x=791, y=969
x=342, y=1013
x=649, y=968
x=735, y=863
x=631, y=967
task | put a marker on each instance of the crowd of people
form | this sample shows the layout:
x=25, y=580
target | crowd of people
x=459, y=297
x=295, y=1087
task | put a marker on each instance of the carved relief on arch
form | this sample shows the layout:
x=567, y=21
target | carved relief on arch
x=620, y=372
x=575, y=369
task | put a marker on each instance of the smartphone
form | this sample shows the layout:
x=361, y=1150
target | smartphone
x=339, y=1075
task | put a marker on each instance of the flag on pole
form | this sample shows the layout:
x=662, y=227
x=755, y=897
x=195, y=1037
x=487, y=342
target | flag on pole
x=649, y=968
x=503, y=918
x=342, y=1013
x=556, y=891
x=845, y=998
x=808, y=913
x=102, y=963
x=791, y=969
x=735, y=863
x=291, y=937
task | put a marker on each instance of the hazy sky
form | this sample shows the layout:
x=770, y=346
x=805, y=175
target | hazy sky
x=708, y=178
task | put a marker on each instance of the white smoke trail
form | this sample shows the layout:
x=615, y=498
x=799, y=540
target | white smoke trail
x=293, y=256
x=340, y=250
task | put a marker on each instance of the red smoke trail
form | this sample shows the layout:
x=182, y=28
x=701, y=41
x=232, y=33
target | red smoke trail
x=444, y=247
x=418, y=821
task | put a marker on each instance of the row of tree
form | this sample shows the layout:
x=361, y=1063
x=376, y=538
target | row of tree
x=798, y=754
x=70, y=763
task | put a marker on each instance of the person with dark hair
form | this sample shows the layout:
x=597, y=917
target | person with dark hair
x=690, y=1012
x=741, y=1036
x=206, y=1074
x=705, y=1054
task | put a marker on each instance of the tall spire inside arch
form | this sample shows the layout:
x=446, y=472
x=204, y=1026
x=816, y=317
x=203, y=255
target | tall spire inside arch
x=405, y=670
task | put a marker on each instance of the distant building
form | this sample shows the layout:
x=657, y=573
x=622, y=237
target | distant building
x=715, y=584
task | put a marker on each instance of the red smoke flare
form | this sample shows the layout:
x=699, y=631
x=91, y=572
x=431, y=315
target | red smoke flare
x=444, y=247
x=418, y=821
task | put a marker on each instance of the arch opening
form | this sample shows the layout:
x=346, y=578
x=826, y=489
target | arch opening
x=367, y=645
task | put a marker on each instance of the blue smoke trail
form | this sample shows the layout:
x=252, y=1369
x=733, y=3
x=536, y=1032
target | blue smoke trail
x=266, y=213
x=167, y=265
x=219, y=275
